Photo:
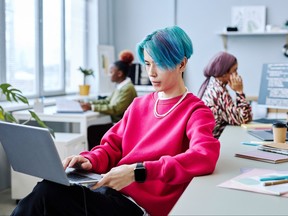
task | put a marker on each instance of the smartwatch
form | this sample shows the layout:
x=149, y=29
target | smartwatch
x=140, y=173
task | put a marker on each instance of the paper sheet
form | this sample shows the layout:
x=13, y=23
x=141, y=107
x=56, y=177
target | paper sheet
x=250, y=181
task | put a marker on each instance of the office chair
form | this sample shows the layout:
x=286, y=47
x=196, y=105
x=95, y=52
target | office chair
x=95, y=134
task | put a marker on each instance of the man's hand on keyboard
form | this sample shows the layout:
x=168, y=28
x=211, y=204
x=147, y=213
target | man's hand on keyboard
x=77, y=162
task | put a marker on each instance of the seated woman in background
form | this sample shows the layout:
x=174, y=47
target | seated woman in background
x=220, y=71
x=116, y=104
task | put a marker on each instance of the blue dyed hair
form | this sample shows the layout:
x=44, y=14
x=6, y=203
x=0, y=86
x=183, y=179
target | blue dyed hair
x=167, y=47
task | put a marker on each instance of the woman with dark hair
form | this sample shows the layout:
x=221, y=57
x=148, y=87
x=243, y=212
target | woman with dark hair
x=116, y=104
x=220, y=71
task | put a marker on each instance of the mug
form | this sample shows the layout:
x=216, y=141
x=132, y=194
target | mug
x=279, y=132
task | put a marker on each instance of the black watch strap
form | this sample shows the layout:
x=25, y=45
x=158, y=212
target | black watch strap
x=140, y=165
x=140, y=173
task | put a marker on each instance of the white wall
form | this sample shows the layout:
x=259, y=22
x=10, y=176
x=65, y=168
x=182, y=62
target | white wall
x=134, y=19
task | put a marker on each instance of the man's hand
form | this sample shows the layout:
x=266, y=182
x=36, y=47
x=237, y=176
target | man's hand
x=77, y=162
x=117, y=178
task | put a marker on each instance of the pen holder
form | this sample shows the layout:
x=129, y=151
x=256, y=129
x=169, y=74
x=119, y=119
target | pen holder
x=279, y=132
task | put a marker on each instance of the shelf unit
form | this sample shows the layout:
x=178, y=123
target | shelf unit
x=225, y=35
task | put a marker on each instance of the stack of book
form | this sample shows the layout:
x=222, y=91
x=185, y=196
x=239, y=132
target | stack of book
x=279, y=148
x=257, y=126
x=267, y=152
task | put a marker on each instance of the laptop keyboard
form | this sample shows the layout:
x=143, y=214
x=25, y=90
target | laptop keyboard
x=77, y=177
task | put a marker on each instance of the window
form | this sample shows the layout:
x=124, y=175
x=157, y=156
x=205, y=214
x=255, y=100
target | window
x=44, y=45
x=20, y=45
x=53, y=76
x=75, y=41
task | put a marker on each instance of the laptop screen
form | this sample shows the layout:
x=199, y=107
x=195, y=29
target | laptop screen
x=274, y=86
x=265, y=135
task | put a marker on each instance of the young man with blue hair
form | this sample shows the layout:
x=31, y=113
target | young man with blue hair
x=150, y=156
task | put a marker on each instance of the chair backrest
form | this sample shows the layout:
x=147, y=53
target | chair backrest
x=95, y=134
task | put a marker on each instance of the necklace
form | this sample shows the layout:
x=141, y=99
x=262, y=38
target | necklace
x=157, y=115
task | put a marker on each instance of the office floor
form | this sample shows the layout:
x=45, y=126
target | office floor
x=6, y=203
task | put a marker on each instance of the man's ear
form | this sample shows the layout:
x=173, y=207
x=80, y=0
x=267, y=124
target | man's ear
x=183, y=64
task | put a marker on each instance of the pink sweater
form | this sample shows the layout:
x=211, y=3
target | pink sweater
x=174, y=149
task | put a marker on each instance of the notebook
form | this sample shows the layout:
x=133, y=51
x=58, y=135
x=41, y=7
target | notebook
x=268, y=120
x=265, y=135
x=280, y=148
x=68, y=106
x=263, y=156
x=31, y=150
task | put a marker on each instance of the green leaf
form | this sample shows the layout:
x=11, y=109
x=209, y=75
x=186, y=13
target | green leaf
x=87, y=72
x=41, y=123
x=9, y=117
x=2, y=114
x=6, y=116
x=13, y=94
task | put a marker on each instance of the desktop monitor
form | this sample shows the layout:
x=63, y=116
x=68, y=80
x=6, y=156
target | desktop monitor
x=274, y=86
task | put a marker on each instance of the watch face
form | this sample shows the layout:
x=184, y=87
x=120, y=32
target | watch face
x=140, y=174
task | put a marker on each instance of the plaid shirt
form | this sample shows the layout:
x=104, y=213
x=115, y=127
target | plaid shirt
x=225, y=110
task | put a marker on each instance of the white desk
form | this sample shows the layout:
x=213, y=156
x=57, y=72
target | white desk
x=204, y=197
x=84, y=119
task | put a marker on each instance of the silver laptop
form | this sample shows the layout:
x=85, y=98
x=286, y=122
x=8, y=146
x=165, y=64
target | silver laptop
x=265, y=135
x=31, y=150
x=68, y=106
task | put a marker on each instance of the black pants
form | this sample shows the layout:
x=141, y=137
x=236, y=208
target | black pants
x=52, y=199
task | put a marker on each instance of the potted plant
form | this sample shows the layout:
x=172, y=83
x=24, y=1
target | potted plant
x=85, y=88
x=13, y=94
